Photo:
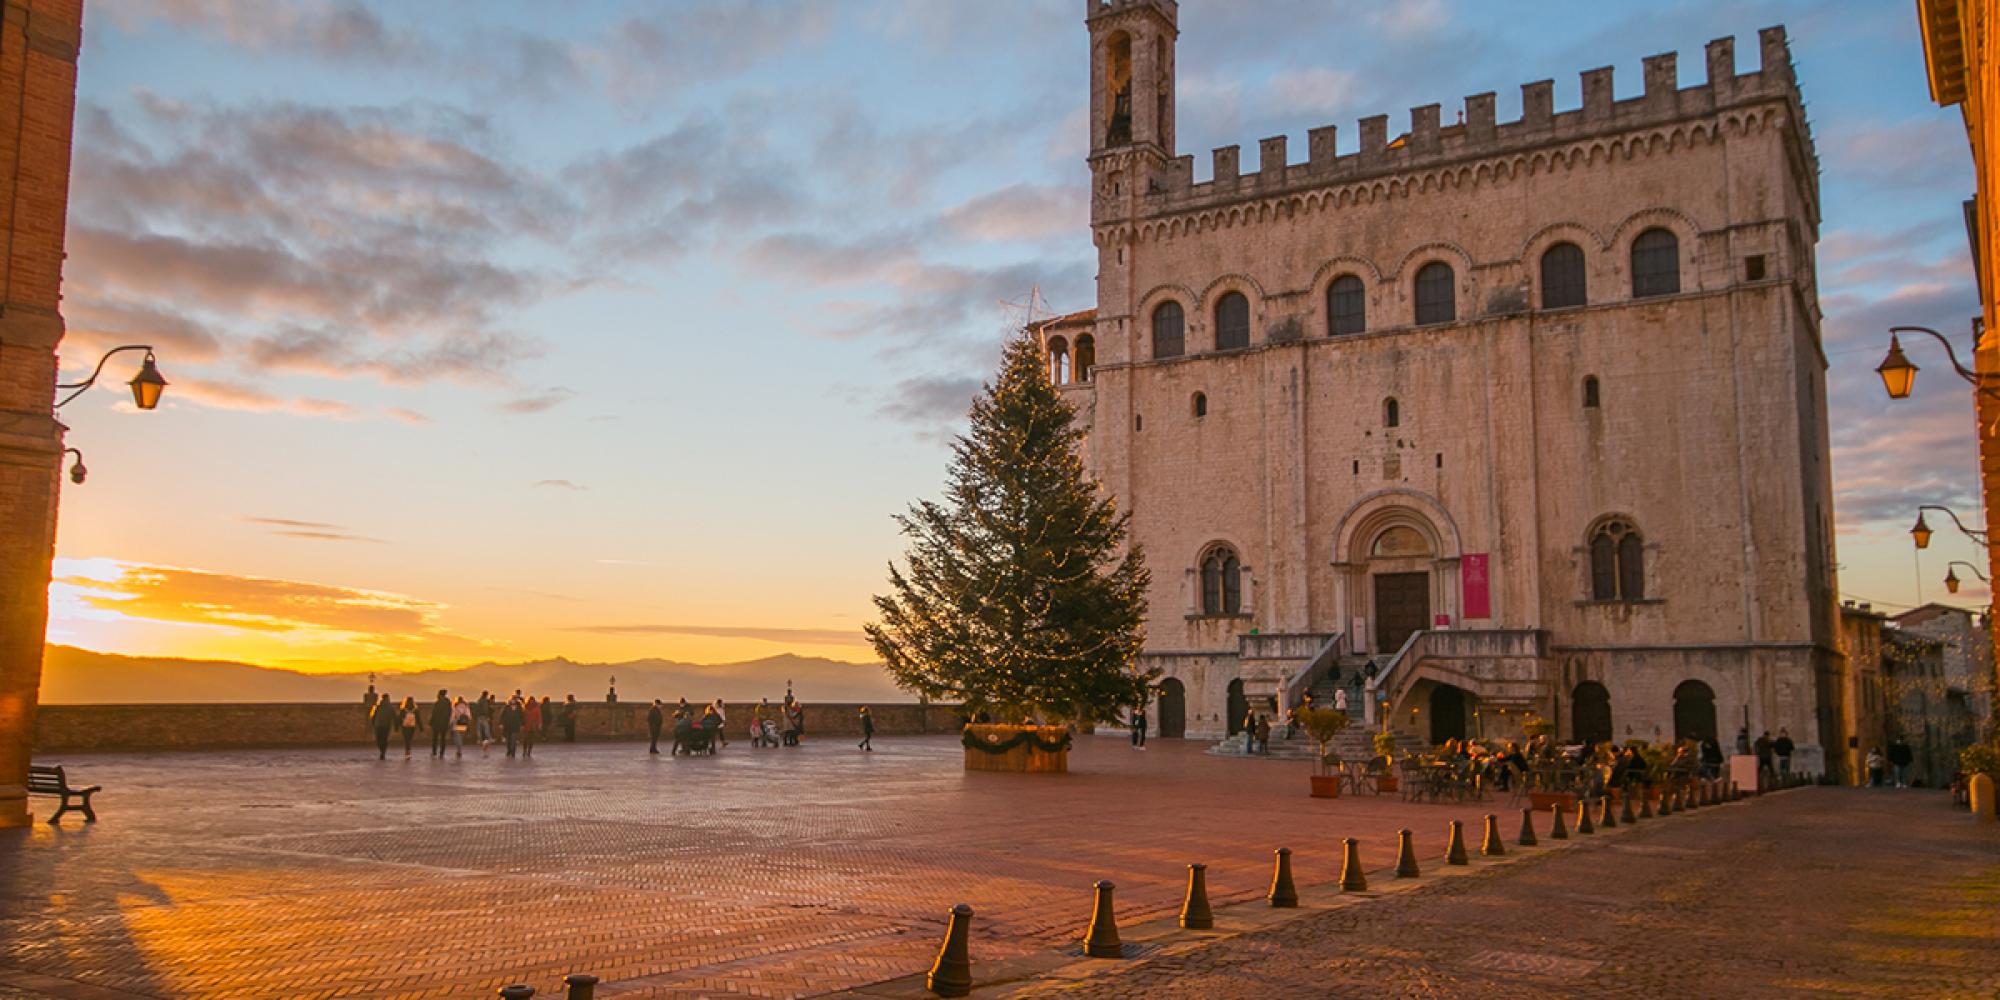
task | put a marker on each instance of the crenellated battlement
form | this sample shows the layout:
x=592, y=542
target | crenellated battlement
x=1430, y=143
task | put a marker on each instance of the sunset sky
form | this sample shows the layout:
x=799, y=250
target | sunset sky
x=495, y=333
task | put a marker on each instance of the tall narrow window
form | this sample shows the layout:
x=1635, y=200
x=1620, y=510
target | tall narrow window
x=1086, y=356
x=1169, y=327
x=1392, y=413
x=1221, y=582
x=1118, y=89
x=1200, y=405
x=1617, y=563
x=1590, y=392
x=1058, y=361
x=1346, y=306
x=1562, y=276
x=1435, y=295
x=1232, y=322
x=1656, y=264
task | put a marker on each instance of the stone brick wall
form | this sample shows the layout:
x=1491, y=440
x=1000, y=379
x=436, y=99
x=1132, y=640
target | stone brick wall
x=71, y=728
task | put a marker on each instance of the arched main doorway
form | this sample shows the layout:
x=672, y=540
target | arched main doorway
x=1239, y=706
x=1694, y=711
x=1590, y=713
x=1447, y=713
x=1173, y=708
x=1402, y=595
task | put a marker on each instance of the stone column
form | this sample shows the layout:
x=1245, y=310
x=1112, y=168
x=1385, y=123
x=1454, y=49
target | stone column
x=38, y=46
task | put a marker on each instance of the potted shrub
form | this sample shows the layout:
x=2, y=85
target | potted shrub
x=1385, y=748
x=1324, y=725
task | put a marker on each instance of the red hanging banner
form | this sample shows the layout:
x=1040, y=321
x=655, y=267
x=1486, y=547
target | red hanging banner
x=1478, y=585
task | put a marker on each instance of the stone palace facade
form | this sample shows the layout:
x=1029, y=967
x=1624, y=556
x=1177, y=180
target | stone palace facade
x=1531, y=414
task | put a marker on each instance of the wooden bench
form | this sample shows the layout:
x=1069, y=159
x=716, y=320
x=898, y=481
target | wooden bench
x=52, y=781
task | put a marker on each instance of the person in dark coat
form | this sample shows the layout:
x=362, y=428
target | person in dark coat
x=511, y=718
x=867, y=730
x=1782, y=747
x=383, y=719
x=548, y=712
x=1139, y=727
x=1765, y=759
x=440, y=724
x=683, y=728
x=1711, y=757
x=569, y=719
x=1900, y=759
x=711, y=725
x=655, y=718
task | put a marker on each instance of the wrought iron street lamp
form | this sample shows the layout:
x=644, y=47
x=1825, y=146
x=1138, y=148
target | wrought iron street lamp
x=146, y=385
x=1899, y=374
x=1951, y=577
x=76, y=470
x=1921, y=531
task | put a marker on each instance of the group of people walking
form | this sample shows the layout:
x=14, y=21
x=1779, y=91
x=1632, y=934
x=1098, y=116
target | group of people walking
x=519, y=722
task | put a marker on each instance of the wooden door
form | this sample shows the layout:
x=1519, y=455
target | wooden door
x=1402, y=606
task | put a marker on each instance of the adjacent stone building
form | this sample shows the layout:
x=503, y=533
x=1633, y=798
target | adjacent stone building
x=38, y=48
x=1529, y=414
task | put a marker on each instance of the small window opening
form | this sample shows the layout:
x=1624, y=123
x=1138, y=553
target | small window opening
x=1392, y=413
x=1357, y=466
x=1200, y=404
x=1753, y=267
x=1590, y=392
x=1440, y=460
x=1138, y=423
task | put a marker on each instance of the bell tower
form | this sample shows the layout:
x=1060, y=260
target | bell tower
x=1131, y=96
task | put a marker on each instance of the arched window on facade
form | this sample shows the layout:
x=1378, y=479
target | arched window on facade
x=1221, y=582
x=1392, y=413
x=1346, y=306
x=1058, y=361
x=1656, y=264
x=1436, y=302
x=1590, y=393
x=1118, y=89
x=1169, y=330
x=1617, y=562
x=1200, y=405
x=1563, y=282
x=1086, y=356
x=1232, y=322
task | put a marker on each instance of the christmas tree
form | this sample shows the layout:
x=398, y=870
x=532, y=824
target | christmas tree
x=1019, y=597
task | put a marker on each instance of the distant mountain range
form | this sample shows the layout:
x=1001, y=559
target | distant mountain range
x=72, y=676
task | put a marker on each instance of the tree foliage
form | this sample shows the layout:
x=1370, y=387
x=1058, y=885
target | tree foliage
x=1019, y=596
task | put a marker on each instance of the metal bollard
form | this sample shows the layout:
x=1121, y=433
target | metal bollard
x=1583, y=824
x=1557, y=831
x=582, y=986
x=1625, y=814
x=1406, y=855
x=1195, y=914
x=518, y=991
x=1351, y=877
x=1527, y=837
x=1283, y=892
x=1101, y=939
x=951, y=974
x=1606, y=818
x=1454, y=846
x=1645, y=803
x=1490, y=845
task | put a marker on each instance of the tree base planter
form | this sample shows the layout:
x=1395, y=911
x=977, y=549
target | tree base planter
x=1388, y=784
x=1326, y=786
x=1543, y=801
x=1030, y=749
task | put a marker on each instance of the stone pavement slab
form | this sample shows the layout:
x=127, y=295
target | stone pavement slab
x=775, y=873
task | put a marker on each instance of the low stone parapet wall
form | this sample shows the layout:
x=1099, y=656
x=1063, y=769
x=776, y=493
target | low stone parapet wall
x=69, y=728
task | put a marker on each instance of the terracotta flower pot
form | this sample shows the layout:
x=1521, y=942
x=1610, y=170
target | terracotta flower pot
x=1326, y=786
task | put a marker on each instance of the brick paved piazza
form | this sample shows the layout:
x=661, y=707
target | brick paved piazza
x=791, y=872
